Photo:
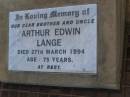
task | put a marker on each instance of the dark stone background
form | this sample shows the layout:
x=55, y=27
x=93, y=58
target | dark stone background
x=20, y=90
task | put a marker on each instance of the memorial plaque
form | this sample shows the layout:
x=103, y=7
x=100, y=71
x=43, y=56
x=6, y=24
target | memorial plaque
x=68, y=43
x=62, y=39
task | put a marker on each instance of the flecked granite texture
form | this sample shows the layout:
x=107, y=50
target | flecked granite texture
x=109, y=46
